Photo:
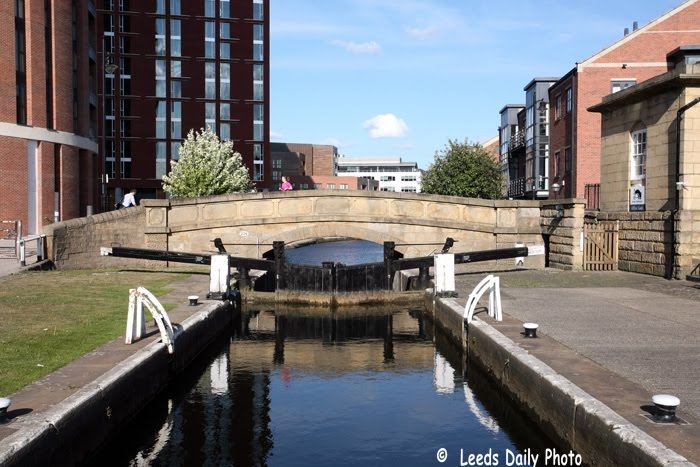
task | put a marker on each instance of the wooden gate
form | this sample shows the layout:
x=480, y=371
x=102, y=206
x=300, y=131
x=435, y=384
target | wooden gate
x=600, y=245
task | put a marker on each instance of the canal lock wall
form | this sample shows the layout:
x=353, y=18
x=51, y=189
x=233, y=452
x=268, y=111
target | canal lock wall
x=572, y=418
x=71, y=431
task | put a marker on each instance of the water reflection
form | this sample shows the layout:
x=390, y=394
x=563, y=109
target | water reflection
x=316, y=389
x=341, y=251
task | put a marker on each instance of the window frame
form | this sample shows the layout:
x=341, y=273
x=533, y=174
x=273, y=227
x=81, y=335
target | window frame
x=635, y=145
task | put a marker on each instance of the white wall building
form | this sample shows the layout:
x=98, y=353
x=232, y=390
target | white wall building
x=390, y=172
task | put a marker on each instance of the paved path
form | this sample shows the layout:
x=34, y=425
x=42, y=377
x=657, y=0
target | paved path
x=621, y=337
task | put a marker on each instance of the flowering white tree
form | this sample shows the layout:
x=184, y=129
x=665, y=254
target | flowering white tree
x=207, y=166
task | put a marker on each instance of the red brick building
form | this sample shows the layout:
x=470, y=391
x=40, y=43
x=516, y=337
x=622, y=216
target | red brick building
x=179, y=65
x=97, y=95
x=48, y=150
x=641, y=54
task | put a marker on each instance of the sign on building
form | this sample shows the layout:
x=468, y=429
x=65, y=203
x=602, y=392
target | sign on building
x=637, y=198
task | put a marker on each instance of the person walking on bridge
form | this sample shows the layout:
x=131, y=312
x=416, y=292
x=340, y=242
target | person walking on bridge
x=286, y=185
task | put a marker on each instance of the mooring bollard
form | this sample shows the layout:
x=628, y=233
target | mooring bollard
x=193, y=299
x=530, y=330
x=4, y=405
x=665, y=407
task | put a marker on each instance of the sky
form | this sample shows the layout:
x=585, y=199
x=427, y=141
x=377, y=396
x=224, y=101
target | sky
x=400, y=78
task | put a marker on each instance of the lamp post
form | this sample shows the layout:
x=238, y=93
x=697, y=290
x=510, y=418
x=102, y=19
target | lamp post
x=108, y=68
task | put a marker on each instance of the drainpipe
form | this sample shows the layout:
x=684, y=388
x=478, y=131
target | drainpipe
x=679, y=117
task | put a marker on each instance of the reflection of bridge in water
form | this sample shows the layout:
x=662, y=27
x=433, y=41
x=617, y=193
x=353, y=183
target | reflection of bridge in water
x=228, y=419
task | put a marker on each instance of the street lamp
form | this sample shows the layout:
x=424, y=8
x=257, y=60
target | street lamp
x=108, y=68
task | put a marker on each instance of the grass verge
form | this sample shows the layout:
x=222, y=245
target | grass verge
x=50, y=318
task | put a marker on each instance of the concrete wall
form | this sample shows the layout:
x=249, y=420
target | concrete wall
x=70, y=431
x=249, y=223
x=567, y=414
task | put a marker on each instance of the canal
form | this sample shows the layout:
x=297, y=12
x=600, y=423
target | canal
x=308, y=387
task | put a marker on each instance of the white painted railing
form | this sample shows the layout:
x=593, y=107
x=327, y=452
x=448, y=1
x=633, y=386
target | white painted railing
x=135, y=325
x=492, y=284
x=40, y=241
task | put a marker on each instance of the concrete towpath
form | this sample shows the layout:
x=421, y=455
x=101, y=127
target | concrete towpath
x=621, y=337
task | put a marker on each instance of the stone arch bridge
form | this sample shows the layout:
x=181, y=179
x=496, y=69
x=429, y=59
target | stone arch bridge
x=249, y=223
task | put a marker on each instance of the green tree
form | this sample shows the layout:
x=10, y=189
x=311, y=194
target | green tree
x=463, y=169
x=207, y=166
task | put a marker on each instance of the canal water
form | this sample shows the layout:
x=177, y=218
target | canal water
x=305, y=387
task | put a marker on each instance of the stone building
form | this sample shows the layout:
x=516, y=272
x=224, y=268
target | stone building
x=649, y=160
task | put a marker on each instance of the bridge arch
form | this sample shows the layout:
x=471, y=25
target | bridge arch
x=249, y=223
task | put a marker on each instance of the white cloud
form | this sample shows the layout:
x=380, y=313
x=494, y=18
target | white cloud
x=275, y=134
x=369, y=48
x=386, y=126
x=422, y=34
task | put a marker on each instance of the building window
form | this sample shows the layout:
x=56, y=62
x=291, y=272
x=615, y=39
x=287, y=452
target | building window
x=330, y=186
x=175, y=38
x=225, y=131
x=617, y=85
x=639, y=154
x=387, y=188
x=175, y=69
x=258, y=86
x=225, y=31
x=408, y=189
x=276, y=163
x=568, y=160
x=569, y=100
x=175, y=150
x=160, y=159
x=387, y=178
x=408, y=178
x=48, y=43
x=210, y=8
x=175, y=7
x=225, y=111
x=20, y=63
x=258, y=162
x=225, y=8
x=209, y=39
x=343, y=186
x=258, y=11
x=276, y=175
x=557, y=107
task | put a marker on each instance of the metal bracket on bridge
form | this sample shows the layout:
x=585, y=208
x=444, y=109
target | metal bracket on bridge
x=135, y=325
x=492, y=284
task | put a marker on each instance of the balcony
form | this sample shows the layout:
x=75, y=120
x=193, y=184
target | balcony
x=517, y=141
x=516, y=188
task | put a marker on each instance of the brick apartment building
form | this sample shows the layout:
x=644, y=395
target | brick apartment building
x=49, y=168
x=575, y=139
x=524, y=142
x=570, y=132
x=181, y=65
x=295, y=159
x=142, y=73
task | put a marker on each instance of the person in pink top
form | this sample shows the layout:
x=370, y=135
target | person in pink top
x=286, y=186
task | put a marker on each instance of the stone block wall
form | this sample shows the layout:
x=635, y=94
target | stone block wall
x=562, y=223
x=646, y=241
x=75, y=244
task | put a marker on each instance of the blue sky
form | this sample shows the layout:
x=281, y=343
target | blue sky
x=402, y=77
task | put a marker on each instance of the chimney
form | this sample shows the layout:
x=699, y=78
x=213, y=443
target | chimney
x=627, y=31
x=634, y=26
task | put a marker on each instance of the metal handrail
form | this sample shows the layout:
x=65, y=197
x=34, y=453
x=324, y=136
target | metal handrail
x=40, y=243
